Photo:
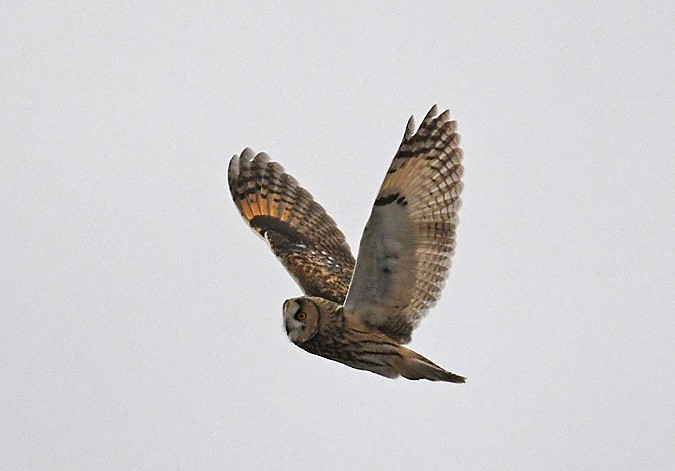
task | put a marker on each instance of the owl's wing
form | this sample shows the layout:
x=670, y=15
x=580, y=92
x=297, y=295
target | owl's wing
x=301, y=234
x=408, y=242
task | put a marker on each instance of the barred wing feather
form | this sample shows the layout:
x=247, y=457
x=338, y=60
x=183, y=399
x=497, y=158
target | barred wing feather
x=299, y=231
x=407, y=245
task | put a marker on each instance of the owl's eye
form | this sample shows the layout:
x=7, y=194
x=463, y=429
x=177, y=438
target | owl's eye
x=301, y=316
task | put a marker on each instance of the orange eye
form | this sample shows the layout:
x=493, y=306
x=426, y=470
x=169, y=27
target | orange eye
x=301, y=316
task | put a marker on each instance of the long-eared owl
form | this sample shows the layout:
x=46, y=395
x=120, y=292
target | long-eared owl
x=360, y=312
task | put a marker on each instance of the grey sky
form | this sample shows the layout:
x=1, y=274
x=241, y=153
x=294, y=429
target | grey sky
x=140, y=321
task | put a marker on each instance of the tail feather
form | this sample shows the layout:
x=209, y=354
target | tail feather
x=415, y=366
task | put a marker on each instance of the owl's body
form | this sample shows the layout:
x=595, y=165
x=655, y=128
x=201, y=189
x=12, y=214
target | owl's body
x=342, y=337
x=359, y=313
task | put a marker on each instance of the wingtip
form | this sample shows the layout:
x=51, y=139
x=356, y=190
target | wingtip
x=233, y=168
x=246, y=159
x=247, y=154
x=431, y=113
x=262, y=157
x=409, y=128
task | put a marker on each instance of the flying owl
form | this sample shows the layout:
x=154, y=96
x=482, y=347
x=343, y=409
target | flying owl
x=361, y=312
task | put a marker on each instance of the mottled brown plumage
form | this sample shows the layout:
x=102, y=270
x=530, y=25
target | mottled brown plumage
x=304, y=238
x=329, y=332
x=360, y=314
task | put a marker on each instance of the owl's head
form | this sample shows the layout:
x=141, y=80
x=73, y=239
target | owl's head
x=301, y=318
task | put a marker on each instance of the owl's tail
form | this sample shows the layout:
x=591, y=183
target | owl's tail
x=415, y=366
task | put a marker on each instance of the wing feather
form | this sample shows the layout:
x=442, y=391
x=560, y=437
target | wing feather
x=300, y=232
x=407, y=245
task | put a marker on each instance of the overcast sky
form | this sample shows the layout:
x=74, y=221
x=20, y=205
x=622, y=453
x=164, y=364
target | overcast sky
x=141, y=323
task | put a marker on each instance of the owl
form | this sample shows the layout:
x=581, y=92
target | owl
x=361, y=312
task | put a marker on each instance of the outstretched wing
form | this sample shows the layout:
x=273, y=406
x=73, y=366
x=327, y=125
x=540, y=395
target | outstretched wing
x=300, y=232
x=408, y=242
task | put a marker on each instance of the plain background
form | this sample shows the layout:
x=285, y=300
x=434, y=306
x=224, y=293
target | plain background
x=140, y=318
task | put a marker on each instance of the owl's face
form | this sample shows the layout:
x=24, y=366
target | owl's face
x=301, y=319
